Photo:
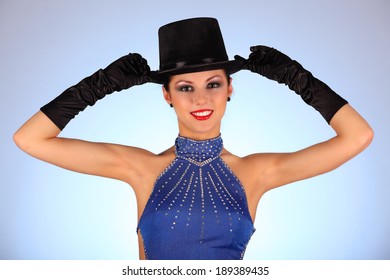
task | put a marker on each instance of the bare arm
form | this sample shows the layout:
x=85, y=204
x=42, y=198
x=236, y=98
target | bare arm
x=39, y=135
x=39, y=138
x=353, y=135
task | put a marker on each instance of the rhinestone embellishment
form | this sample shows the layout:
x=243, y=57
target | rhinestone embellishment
x=198, y=207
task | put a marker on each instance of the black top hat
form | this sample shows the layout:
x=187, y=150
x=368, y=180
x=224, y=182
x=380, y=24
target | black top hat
x=192, y=45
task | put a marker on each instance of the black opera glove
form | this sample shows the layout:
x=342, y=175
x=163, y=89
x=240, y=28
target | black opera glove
x=127, y=71
x=277, y=66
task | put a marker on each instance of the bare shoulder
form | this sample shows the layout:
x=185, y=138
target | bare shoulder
x=253, y=170
x=142, y=167
x=253, y=173
x=142, y=170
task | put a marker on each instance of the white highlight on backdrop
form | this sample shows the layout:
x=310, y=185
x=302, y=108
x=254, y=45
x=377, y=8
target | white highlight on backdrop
x=46, y=46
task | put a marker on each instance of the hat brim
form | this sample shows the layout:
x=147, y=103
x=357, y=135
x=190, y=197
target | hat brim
x=231, y=67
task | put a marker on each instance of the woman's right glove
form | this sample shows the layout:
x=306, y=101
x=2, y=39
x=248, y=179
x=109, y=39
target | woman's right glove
x=127, y=71
x=277, y=66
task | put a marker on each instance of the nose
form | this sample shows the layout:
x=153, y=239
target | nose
x=200, y=97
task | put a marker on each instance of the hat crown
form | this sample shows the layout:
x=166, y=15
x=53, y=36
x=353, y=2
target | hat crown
x=191, y=42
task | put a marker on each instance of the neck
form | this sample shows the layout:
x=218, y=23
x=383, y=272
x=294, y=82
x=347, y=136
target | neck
x=200, y=137
x=203, y=135
x=203, y=132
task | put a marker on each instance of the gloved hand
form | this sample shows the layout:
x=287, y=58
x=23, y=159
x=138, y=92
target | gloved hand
x=277, y=66
x=127, y=71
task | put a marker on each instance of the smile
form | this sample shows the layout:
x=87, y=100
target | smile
x=202, y=115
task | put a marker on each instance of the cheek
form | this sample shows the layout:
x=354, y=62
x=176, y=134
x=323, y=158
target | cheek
x=221, y=97
x=180, y=101
x=181, y=105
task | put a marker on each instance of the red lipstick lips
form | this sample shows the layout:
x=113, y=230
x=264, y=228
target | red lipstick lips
x=202, y=115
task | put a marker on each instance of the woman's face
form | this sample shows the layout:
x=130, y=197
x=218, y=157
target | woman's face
x=199, y=100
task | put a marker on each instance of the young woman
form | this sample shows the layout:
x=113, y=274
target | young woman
x=195, y=200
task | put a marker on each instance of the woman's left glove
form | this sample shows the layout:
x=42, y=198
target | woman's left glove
x=277, y=66
x=127, y=71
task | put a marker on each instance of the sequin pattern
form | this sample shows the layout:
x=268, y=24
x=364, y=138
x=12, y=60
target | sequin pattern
x=198, y=207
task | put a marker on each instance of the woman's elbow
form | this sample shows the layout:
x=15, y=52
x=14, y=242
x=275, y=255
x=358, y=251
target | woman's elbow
x=369, y=136
x=364, y=139
x=20, y=140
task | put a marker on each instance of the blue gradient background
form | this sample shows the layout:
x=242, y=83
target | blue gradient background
x=46, y=46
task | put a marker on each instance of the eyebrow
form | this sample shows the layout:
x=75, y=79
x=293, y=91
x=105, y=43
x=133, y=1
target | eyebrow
x=189, y=82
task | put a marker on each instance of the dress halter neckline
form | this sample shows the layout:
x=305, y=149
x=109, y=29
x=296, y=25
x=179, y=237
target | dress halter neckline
x=198, y=151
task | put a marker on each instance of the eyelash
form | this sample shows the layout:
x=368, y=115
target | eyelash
x=187, y=88
x=214, y=85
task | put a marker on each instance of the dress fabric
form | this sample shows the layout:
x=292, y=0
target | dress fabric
x=198, y=207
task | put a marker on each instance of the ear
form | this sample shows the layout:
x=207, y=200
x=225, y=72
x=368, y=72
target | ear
x=230, y=88
x=167, y=96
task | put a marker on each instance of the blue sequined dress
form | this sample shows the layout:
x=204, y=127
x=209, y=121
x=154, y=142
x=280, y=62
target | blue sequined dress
x=198, y=208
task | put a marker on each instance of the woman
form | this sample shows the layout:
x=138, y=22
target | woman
x=195, y=200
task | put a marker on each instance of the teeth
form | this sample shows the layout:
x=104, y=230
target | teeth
x=202, y=114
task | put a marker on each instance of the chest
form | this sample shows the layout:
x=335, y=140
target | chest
x=200, y=205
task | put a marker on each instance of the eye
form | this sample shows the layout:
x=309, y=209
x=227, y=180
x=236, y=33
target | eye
x=185, y=88
x=214, y=85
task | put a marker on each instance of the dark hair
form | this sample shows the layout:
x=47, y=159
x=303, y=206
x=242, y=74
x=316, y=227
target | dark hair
x=168, y=80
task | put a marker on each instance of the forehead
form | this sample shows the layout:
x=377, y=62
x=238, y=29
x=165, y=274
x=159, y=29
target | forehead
x=198, y=76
